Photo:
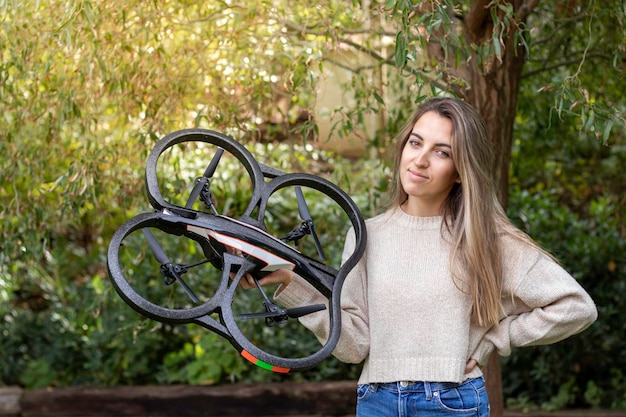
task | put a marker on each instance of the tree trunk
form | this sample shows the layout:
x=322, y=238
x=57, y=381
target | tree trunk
x=493, y=81
x=497, y=103
x=493, y=382
x=494, y=91
x=494, y=95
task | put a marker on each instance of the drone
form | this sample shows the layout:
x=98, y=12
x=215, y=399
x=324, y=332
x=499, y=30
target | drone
x=237, y=247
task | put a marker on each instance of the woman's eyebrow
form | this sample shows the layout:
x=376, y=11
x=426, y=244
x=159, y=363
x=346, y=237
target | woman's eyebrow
x=417, y=135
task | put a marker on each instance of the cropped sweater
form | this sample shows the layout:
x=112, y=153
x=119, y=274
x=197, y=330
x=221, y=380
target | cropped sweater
x=405, y=316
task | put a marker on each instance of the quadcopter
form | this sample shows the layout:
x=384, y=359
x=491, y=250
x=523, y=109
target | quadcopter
x=236, y=247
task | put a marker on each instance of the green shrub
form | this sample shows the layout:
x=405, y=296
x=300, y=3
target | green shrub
x=574, y=372
x=63, y=324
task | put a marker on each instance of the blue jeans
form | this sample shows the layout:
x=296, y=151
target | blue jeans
x=423, y=399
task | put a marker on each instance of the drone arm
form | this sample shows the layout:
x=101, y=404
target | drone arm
x=295, y=235
x=269, y=172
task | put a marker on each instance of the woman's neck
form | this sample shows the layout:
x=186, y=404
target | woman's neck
x=414, y=208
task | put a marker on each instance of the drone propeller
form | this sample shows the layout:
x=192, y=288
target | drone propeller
x=305, y=214
x=202, y=181
x=274, y=314
x=293, y=313
x=167, y=268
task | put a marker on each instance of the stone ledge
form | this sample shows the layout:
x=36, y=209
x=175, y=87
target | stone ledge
x=273, y=399
x=323, y=399
x=10, y=400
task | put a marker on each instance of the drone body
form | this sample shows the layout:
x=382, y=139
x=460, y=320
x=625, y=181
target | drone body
x=236, y=247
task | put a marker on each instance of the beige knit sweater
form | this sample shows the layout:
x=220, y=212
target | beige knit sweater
x=403, y=314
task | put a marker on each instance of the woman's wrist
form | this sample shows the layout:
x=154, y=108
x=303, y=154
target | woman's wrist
x=289, y=277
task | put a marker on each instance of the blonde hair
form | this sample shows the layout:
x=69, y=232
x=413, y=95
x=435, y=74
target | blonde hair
x=472, y=213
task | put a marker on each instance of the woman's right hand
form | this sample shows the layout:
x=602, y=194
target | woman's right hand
x=280, y=276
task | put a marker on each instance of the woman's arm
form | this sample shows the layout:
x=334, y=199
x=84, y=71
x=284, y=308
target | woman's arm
x=546, y=306
x=353, y=345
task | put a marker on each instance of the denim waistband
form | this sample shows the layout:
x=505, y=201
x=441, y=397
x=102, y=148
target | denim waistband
x=416, y=386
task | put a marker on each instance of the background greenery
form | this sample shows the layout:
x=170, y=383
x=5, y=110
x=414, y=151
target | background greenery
x=86, y=88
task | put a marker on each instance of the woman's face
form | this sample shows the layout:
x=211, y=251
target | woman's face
x=427, y=171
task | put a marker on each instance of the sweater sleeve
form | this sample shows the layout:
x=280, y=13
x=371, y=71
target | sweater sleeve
x=353, y=344
x=547, y=305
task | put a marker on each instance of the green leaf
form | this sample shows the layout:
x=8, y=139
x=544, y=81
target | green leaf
x=606, y=132
x=590, y=120
x=378, y=98
x=401, y=50
x=496, y=45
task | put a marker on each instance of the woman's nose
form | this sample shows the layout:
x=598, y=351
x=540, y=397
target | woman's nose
x=421, y=159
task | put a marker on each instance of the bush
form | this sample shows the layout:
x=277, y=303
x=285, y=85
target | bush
x=63, y=324
x=587, y=369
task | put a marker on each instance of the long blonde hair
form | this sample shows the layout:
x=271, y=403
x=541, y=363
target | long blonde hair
x=473, y=215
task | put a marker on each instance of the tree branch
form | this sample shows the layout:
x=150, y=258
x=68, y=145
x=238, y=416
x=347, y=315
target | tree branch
x=526, y=9
x=573, y=61
x=356, y=70
x=323, y=30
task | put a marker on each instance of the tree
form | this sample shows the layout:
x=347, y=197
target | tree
x=479, y=50
x=86, y=87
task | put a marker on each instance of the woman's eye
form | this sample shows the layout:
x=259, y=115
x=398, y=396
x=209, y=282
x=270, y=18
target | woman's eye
x=443, y=154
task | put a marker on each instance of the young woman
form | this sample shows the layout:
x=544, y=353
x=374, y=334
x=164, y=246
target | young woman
x=446, y=278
